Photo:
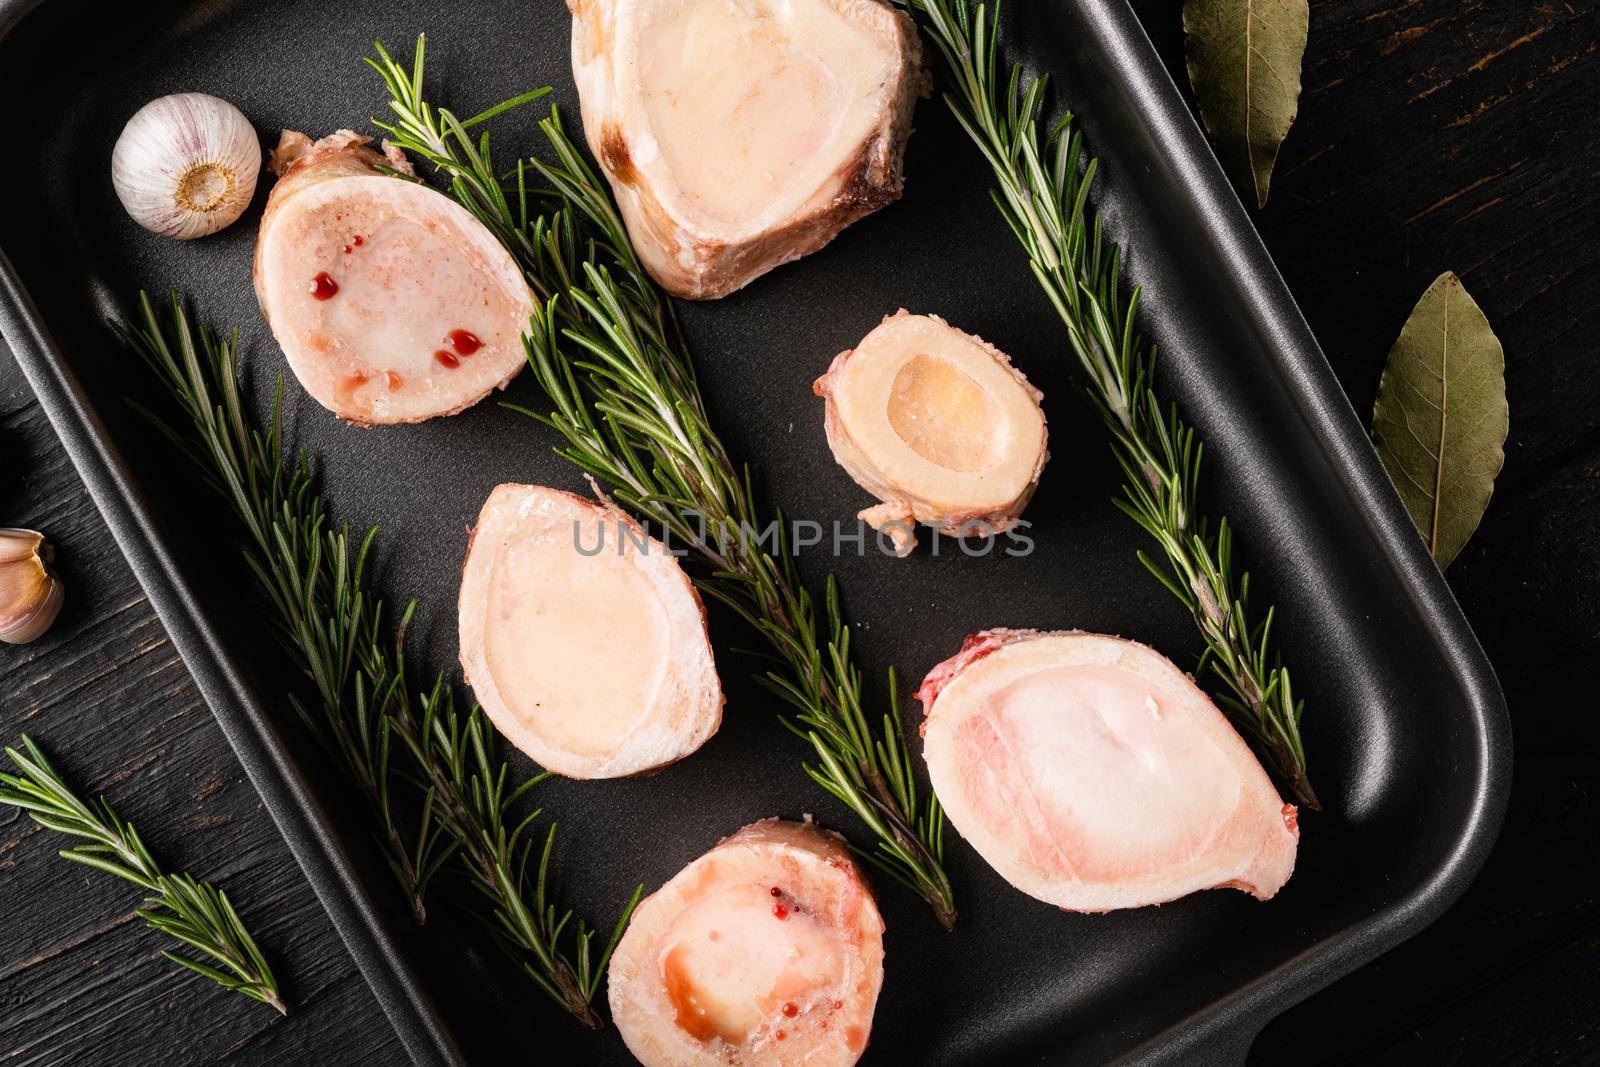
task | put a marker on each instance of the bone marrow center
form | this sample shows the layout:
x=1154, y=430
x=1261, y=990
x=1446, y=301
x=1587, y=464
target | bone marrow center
x=553, y=631
x=729, y=966
x=1105, y=725
x=944, y=416
x=405, y=291
x=740, y=106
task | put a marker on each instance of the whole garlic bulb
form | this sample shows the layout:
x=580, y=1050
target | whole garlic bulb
x=30, y=593
x=186, y=165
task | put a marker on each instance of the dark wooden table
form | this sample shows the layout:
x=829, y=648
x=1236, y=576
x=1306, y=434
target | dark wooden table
x=1433, y=135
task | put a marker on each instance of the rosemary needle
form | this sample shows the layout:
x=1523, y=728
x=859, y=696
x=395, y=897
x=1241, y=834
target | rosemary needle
x=452, y=799
x=196, y=913
x=605, y=345
x=310, y=572
x=1042, y=192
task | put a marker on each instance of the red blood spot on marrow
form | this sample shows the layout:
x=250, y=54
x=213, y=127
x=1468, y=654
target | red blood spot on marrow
x=446, y=359
x=791, y=1009
x=394, y=380
x=465, y=342
x=780, y=911
x=357, y=241
x=1291, y=818
x=323, y=286
x=777, y=892
x=781, y=1035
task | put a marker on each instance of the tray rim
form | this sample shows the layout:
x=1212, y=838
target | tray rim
x=373, y=940
x=317, y=846
x=1221, y=1031
x=1230, y=1023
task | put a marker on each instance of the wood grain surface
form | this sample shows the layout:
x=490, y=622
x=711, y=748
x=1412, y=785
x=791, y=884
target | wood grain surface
x=1433, y=135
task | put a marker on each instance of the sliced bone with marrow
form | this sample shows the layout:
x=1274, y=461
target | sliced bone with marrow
x=1093, y=774
x=392, y=303
x=938, y=425
x=738, y=136
x=765, y=951
x=582, y=637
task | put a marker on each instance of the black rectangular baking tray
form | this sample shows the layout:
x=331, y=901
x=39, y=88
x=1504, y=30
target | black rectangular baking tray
x=1406, y=727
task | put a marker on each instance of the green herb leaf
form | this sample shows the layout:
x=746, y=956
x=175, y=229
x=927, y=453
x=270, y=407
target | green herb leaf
x=604, y=344
x=456, y=798
x=1244, y=64
x=1441, y=416
x=196, y=913
x=1042, y=171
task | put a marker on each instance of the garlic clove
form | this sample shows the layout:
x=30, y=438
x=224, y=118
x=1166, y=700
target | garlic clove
x=30, y=593
x=186, y=165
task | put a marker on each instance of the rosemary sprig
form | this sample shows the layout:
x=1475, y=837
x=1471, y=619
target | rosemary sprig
x=605, y=345
x=1042, y=192
x=311, y=573
x=196, y=913
x=461, y=802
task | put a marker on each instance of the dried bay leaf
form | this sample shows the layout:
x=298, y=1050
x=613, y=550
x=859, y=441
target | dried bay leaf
x=1244, y=64
x=1441, y=418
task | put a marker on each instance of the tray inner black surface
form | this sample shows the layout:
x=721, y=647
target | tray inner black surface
x=1391, y=750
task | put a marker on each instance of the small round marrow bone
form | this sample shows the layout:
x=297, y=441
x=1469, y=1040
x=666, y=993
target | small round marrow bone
x=767, y=950
x=936, y=424
x=392, y=303
x=582, y=638
x=740, y=136
x=1093, y=774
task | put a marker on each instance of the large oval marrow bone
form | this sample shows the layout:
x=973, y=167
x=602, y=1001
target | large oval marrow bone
x=391, y=302
x=1093, y=774
x=582, y=638
x=738, y=136
x=938, y=425
x=767, y=950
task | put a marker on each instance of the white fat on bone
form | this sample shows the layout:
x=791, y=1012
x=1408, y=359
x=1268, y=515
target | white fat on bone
x=1093, y=774
x=392, y=303
x=582, y=638
x=937, y=425
x=738, y=135
x=765, y=951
